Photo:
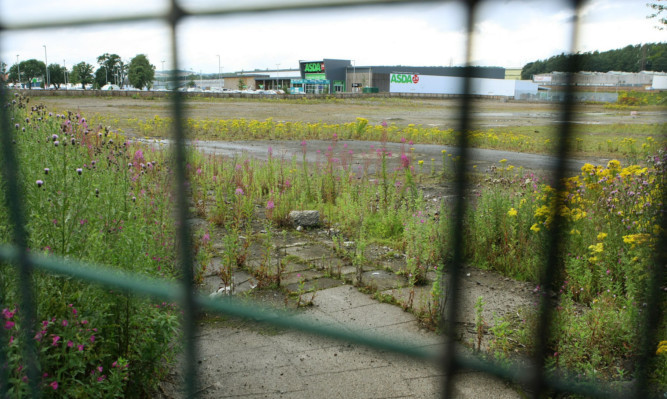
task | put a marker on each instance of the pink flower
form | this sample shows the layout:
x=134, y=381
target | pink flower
x=65, y=323
x=270, y=205
x=55, y=340
x=54, y=385
x=92, y=338
x=70, y=344
x=206, y=238
x=9, y=325
x=80, y=347
x=239, y=191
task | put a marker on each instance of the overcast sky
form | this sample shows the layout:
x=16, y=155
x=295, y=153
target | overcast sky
x=509, y=33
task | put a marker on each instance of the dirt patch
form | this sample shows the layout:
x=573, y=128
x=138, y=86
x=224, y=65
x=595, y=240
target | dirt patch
x=443, y=113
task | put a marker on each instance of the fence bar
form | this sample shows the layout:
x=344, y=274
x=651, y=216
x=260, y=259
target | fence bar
x=458, y=240
x=555, y=243
x=182, y=216
x=230, y=8
x=10, y=173
x=654, y=307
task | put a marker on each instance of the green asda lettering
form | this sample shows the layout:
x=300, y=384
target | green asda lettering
x=314, y=67
x=404, y=78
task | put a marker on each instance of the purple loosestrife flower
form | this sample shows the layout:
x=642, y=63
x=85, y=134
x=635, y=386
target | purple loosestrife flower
x=239, y=191
x=270, y=205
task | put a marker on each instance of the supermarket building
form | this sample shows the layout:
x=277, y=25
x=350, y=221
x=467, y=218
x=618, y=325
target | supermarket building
x=338, y=76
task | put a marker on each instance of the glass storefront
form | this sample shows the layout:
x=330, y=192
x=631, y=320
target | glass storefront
x=310, y=86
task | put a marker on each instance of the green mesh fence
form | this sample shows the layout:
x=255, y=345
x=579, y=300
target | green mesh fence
x=452, y=360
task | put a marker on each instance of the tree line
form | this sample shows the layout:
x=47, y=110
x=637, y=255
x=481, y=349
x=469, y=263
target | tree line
x=631, y=58
x=111, y=69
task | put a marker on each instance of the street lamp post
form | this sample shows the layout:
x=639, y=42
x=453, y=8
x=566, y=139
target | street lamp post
x=219, y=80
x=65, y=73
x=47, y=68
x=18, y=66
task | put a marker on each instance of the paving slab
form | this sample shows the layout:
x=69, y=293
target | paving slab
x=246, y=360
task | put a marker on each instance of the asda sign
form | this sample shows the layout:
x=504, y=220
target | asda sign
x=313, y=67
x=404, y=78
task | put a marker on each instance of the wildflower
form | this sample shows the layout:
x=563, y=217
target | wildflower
x=602, y=236
x=56, y=143
x=512, y=212
x=54, y=137
x=9, y=325
x=65, y=323
x=270, y=205
x=597, y=248
x=54, y=385
x=503, y=160
x=79, y=171
x=535, y=228
x=56, y=338
x=80, y=347
x=70, y=344
x=239, y=191
x=39, y=183
x=206, y=238
x=46, y=171
x=303, y=143
x=421, y=162
x=92, y=338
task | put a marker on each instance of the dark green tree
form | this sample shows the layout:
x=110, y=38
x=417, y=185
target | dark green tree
x=141, y=73
x=56, y=75
x=81, y=73
x=30, y=69
x=108, y=63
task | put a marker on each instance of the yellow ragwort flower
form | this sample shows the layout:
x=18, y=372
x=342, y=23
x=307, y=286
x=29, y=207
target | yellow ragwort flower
x=602, y=236
x=512, y=212
x=597, y=248
x=535, y=228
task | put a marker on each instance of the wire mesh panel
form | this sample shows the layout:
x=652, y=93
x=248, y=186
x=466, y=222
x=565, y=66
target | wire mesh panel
x=532, y=375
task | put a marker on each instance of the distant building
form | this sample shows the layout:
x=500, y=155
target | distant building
x=644, y=79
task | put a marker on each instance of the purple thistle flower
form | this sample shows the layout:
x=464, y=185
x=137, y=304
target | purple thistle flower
x=55, y=143
x=46, y=171
x=39, y=183
x=54, y=137
x=79, y=170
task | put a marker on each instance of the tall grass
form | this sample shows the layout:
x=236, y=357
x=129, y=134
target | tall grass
x=89, y=195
